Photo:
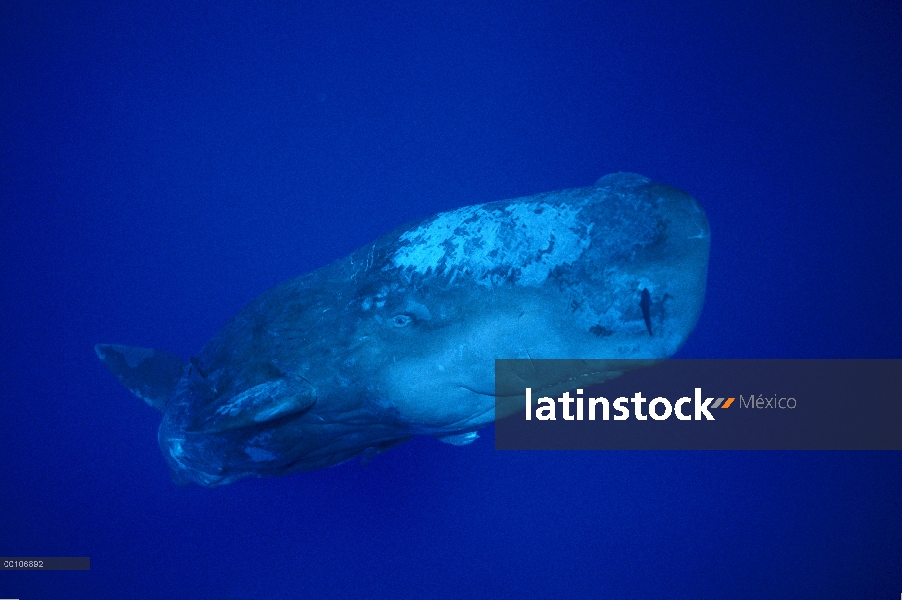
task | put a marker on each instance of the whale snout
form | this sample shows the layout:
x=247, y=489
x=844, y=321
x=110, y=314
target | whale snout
x=686, y=219
x=683, y=258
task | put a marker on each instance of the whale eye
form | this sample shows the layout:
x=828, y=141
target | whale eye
x=401, y=320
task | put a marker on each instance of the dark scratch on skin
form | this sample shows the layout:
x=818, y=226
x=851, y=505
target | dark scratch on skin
x=645, y=305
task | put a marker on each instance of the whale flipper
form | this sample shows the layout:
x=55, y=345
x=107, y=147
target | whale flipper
x=461, y=439
x=259, y=404
x=148, y=373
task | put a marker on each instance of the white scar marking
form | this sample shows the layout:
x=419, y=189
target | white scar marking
x=489, y=243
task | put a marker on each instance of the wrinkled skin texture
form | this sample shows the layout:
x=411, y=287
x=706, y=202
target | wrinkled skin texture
x=399, y=338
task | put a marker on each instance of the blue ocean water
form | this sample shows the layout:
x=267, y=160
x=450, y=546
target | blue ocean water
x=163, y=163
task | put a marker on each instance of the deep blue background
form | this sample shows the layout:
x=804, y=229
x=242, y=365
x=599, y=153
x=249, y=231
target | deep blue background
x=162, y=164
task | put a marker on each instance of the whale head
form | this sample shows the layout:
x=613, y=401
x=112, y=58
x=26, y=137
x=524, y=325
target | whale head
x=609, y=272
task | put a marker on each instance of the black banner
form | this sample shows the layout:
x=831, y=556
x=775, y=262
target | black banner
x=711, y=404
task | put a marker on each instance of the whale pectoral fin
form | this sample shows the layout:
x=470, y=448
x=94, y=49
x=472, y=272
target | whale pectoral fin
x=460, y=439
x=264, y=402
x=149, y=374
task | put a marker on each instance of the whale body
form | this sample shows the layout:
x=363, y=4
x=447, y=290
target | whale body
x=399, y=338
